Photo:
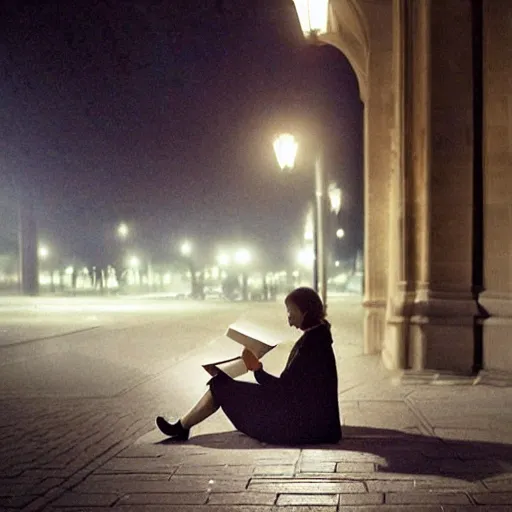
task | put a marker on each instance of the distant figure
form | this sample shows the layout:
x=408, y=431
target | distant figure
x=299, y=407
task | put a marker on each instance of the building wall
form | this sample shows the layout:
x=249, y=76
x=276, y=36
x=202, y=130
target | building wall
x=497, y=149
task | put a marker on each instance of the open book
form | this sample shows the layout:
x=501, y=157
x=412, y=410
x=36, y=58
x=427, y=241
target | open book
x=251, y=337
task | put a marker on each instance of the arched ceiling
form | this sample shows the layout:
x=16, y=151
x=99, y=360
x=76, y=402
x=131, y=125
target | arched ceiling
x=349, y=33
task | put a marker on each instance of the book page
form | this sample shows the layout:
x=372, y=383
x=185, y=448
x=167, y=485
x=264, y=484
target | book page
x=232, y=367
x=256, y=339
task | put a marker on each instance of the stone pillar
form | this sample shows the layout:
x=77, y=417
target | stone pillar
x=431, y=309
x=377, y=137
x=497, y=151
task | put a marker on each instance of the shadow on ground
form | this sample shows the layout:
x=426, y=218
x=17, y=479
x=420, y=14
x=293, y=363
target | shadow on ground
x=392, y=451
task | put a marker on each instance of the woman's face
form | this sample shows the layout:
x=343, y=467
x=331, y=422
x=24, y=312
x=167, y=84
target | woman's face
x=295, y=315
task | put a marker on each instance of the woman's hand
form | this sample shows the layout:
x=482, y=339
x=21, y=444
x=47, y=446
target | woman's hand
x=251, y=361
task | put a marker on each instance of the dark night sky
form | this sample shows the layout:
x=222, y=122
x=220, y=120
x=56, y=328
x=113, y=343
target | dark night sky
x=162, y=114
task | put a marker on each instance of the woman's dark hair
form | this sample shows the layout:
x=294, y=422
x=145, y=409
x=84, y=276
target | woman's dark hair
x=309, y=303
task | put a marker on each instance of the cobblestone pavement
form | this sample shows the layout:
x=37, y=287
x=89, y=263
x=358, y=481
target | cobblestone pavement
x=417, y=443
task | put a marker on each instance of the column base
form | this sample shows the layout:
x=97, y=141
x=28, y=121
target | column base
x=374, y=326
x=435, y=331
x=497, y=332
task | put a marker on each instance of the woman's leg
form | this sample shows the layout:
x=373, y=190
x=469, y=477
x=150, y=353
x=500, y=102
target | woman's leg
x=202, y=410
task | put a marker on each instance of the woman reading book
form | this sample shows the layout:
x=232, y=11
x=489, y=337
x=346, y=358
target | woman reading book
x=298, y=407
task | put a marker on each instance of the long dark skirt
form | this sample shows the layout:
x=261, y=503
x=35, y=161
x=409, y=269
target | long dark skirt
x=267, y=414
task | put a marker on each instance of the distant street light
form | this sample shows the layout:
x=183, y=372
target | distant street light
x=223, y=259
x=340, y=233
x=285, y=146
x=134, y=262
x=306, y=257
x=186, y=248
x=243, y=257
x=334, y=193
x=123, y=230
x=43, y=252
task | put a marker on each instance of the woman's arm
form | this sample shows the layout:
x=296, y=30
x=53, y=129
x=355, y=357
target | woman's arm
x=264, y=378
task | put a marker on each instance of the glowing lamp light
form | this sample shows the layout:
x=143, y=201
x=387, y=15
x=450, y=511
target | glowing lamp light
x=43, y=252
x=285, y=147
x=313, y=16
x=334, y=193
x=223, y=259
x=186, y=249
x=242, y=256
x=122, y=230
x=134, y=262
x=69, y=271
x=340, y=233
x=306, y=257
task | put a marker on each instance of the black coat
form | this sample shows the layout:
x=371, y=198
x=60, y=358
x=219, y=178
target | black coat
x=299, y=407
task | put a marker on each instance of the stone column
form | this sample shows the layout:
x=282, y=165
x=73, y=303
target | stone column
x=497, y=151
x=431, y=309
x=377, y=137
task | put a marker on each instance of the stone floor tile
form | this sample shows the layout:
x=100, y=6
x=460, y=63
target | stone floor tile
x=198, y=508
x=411, y=498
x=272, y=471
x=217, y=470
x=367, y=498
x=16, y=501
x=493, y=498
x=301, y=487
x=317, y=467
x=396, y=508
x=71, y=499
x=176, y=498
x=499, y=485
x=127, y=477
x=307, y=499
x=242, y=498
x=174, y=485
x=355, y=467
x=131, y=465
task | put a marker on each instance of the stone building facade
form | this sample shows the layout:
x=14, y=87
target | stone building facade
x=435, y=77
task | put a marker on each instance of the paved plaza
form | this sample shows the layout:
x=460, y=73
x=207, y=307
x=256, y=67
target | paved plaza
x=418, y=442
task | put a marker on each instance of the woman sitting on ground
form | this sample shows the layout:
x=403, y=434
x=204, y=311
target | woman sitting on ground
x=299, y=407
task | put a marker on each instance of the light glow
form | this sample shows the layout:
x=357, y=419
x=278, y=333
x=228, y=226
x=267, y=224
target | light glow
x=340, y=233
x=243, y=257
x=134, y=262
x=334, y=193
x=313, y=16
x=186, y=248
x=306, y=257
x=285, y=147
x=43, y=252
x=223, y=259
x=122, y=230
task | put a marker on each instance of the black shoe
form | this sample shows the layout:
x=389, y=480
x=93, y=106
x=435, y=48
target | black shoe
x=174, y=430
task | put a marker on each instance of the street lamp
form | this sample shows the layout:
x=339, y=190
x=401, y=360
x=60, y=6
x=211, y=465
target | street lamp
x=285, y=146
x=43, y=252
x=122, y=230
x=186, y=248
x=340, y=233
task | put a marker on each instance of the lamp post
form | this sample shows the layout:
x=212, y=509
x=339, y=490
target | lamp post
x=314, y=20
x=286, y=147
